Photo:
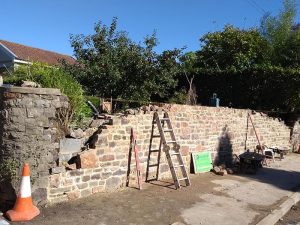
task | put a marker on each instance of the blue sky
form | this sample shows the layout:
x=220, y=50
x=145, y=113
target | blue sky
x=47, y=24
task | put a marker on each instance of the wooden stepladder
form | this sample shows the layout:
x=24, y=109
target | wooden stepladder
x=167, y=142
x=133, y=147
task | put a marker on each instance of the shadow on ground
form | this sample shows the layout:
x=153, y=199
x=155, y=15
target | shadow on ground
x=282, y=179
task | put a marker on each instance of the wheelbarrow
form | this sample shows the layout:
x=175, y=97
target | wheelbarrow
x=250, y=162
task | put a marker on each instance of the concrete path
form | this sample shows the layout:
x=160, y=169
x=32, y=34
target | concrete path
x=211, y=200
x=248, y=198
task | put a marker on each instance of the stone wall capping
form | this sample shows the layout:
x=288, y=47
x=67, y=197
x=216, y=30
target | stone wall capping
x=29, y=90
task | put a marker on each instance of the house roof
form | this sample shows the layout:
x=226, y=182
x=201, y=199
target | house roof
x=32, y=54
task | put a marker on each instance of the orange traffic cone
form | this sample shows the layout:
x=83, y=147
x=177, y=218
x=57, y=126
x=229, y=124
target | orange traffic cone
x=24, y=209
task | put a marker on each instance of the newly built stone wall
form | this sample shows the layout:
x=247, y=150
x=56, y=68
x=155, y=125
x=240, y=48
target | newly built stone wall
x=28, y=134
x=221, y=131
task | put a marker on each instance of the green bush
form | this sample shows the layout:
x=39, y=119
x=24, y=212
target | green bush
x=94, y=100
x=50, y=77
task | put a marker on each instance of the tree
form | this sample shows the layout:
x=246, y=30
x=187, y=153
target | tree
x=232, y=49
x=188, y=68
x=283, y=36
x=111, y=64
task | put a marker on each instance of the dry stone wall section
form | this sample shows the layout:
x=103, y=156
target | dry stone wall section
x=28, y=134
x=221, y=131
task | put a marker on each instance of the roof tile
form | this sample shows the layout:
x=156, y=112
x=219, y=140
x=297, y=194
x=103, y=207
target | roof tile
x=32, y=54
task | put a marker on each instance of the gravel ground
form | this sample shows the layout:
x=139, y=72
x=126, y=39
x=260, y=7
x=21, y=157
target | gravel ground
x=292, y=217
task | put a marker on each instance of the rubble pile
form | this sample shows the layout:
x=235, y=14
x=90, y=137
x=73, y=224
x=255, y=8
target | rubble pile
x=222, y=170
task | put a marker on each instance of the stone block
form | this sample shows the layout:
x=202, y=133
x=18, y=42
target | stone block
x=93, y=184
x=61, y=190
x=106, y=158
x=112, y=144
x=100, y=152
x=119, y=172
x=97, y=189
x=71, y=166
x=113, y=183
x=164, y=168
x=49, y=113
x=77, y=172
x=31, y=129
x=82, y=186
x=185, y=150
x=106, y=175
x=34, y=112
x=68, y=181
x=54, y=181
x=73, y=195
x=70, y=145
x=124, y=121
x=57, y=170
x=86, y=178
x=87, y=159
x=96, y=177
x=39, y=196
x=86, y=192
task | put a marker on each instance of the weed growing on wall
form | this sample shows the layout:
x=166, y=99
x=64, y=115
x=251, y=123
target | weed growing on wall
x=8, y=170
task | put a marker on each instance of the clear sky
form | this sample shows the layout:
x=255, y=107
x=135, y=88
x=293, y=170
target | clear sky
x=47, y=24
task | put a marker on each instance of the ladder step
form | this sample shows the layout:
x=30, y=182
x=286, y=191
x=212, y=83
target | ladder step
x=164, y=119
x=150, y=180
x=168, y=130
x=154, y=150
x=153, y=165
x=184, y=178
x=156, y=136
x=177, y=166
x=175, y=153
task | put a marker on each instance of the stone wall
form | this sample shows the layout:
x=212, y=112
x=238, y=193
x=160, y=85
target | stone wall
x=221, y=131
x=28, y=134
x=295, y=138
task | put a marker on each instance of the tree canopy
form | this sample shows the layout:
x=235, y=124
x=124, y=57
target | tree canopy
x=111, y=64
x=256, y=67
x=283, y=36
x=233, y=49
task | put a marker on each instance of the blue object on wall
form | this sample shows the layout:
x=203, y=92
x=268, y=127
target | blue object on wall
x=214, y=101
